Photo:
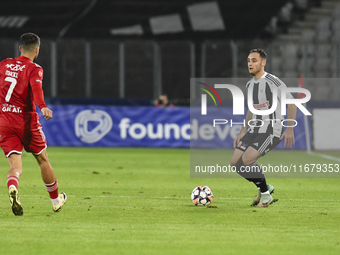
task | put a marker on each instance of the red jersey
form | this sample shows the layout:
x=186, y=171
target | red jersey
x=20, y=91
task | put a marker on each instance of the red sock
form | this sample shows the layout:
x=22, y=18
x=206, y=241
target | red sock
x=53, y=189
x=12, y=180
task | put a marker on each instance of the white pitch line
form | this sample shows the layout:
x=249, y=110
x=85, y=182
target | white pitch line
x=325, y=156
x=221, y=198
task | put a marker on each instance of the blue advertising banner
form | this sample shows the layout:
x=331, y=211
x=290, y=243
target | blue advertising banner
x=109, y=126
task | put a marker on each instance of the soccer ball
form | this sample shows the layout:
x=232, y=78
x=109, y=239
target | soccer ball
x=202, y=195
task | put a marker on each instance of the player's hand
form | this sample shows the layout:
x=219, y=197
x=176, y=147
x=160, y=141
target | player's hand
x=47, y=113
x=238, y=138
x=289, y=138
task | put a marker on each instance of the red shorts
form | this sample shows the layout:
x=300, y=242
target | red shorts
x=13, y=140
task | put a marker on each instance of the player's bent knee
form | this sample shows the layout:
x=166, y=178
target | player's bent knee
x=247, y=159
x=236, y=158
x=233, y=162
x=250, y=156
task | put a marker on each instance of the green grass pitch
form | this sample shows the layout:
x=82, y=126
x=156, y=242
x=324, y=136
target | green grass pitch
x=137, y=201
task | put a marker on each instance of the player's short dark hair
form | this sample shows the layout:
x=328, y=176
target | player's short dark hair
x=262, y=53
x=29, y=41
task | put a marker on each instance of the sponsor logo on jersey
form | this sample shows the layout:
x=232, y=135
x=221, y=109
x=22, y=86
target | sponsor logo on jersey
x=11, y=108
x=16, y=67
x=260, y=106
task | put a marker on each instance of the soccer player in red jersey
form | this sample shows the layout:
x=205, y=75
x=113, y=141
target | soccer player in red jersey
x=20, y=92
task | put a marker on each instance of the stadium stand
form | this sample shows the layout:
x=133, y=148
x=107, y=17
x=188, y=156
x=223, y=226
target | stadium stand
x=95, y=19
x=316, y=36
x=90, y=46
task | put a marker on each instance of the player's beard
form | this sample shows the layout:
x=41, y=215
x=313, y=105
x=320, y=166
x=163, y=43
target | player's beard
x=254, y=73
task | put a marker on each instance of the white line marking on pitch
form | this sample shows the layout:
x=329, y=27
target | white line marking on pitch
x=325, y=156
x=222, y=198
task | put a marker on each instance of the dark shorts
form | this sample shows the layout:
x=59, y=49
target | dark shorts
x=262, y=142
x=13, y=140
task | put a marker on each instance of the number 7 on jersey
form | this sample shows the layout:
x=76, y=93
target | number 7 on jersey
x=13, y=82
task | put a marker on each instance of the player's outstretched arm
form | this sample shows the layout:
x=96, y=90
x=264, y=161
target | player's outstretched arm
x=47, y=113
x=289, y=133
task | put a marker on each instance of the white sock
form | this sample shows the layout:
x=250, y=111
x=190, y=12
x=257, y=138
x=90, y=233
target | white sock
x=265, y=193
x=56, y=201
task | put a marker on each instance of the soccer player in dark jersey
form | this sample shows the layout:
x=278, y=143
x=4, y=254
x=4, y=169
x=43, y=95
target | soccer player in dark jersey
x=20, y=92
x=266, y=131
